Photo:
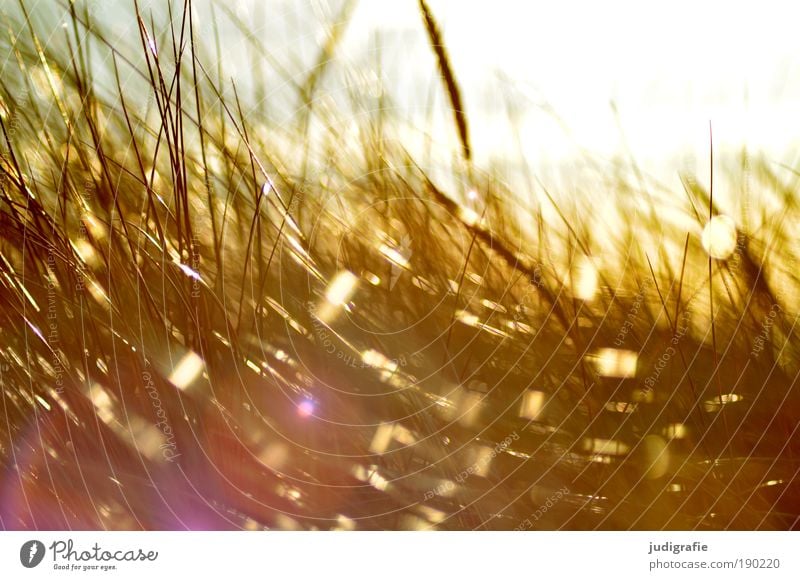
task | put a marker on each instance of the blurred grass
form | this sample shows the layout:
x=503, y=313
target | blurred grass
x=151, y=210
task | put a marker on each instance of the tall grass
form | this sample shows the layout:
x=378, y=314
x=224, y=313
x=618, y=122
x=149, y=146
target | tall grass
x=172, y=356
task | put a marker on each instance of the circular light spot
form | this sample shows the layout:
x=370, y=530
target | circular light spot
x=719, y=237
x=585, y=279
x=305, y=409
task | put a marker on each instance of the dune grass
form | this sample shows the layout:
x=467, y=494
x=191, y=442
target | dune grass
x=214, y=320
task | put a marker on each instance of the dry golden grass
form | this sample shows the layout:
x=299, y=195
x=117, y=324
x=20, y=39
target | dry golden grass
x=213, y=321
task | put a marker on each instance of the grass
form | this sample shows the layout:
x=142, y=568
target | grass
x=170, y=360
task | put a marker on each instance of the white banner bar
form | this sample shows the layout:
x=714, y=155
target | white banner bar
x=377, y=555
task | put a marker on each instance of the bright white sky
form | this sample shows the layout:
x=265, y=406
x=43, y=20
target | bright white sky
x=670, y=67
